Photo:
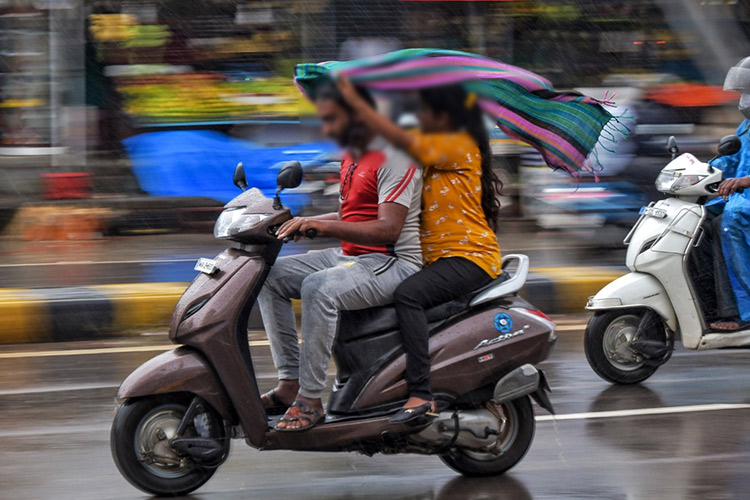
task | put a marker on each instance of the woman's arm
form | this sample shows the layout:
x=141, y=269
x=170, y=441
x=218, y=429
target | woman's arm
x=374, y=120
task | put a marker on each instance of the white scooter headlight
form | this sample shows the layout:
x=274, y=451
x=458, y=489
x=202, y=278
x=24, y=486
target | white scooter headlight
x=670, y=181
x=233, y=221
x=665, y=180
x=685, y=181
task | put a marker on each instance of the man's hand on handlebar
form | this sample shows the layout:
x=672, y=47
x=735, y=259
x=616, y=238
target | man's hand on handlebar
x=300, y=227
x=730, y=186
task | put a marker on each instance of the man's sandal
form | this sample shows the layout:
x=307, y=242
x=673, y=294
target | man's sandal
x=302, y=412
x=273, y=403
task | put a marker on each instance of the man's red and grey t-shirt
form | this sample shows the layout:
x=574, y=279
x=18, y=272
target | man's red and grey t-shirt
x=382, y=174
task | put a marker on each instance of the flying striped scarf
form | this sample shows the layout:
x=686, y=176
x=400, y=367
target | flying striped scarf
x=563, y=126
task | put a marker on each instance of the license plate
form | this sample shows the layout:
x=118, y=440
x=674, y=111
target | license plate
x=207, y=266
x=653, y=212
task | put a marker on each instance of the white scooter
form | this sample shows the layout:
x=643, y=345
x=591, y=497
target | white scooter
x=638, y=316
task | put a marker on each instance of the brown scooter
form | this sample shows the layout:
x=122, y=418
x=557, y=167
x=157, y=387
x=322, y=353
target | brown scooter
x=180, y=410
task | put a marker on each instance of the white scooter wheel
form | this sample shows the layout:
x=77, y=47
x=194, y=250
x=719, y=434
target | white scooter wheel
x=607, y=346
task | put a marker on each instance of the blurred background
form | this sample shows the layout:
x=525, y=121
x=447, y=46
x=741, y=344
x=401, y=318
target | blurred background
x=121, y=122
x=138, y=110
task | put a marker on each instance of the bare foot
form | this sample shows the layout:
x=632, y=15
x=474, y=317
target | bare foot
x=726, y=326
x=414, y=402
x=300, y=418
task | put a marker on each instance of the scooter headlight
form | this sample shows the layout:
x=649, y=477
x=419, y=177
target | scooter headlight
x=670, y=181
x=685, y=181
x=234, y=221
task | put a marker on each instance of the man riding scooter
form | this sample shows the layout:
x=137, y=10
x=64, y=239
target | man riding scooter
x=727, y=228
x=378, y=222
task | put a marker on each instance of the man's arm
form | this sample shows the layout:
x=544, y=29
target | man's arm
x=294, y=223
x=329, y=216
x=384, y=230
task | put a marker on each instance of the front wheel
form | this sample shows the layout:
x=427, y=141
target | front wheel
x=607, y=346
x=517, y=426
x=140, y=446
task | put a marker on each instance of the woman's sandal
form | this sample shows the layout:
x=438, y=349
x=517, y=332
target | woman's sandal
x=303, y=412
x=273, y=404
x=416, y=415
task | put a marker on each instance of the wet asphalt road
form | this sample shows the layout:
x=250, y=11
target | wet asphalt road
x=56, y=406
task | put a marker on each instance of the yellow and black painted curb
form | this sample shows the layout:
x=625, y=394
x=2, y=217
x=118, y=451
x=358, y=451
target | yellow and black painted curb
x=97, y=311
x=84, y=313
x=564, y=290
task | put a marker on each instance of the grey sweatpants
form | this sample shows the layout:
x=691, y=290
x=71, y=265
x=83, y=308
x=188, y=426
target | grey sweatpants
x=327, y=281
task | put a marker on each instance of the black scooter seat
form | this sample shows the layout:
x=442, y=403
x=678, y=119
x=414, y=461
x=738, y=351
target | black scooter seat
x=354, y=325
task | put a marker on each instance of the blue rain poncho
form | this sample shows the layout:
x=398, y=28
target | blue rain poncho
x=735, y=226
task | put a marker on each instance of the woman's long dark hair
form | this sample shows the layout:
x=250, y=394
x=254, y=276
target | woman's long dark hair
x=466, y=114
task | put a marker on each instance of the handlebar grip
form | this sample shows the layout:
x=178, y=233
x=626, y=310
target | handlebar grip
x=310, y=234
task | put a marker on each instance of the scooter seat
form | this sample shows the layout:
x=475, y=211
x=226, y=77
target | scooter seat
x=355, y=325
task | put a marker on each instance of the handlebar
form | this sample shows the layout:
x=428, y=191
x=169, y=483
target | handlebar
x=310, y=234
x=713, y=188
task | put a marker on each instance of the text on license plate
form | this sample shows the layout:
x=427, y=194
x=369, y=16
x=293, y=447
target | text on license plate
x=207, y=266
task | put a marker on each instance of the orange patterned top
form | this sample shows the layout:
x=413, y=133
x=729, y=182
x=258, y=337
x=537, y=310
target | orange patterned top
x=453, y=222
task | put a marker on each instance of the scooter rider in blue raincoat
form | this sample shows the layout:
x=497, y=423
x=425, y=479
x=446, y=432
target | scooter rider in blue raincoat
x=734, y=195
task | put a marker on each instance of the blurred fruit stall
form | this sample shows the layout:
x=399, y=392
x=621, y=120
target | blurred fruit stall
x=173, y=66
x=205, y=97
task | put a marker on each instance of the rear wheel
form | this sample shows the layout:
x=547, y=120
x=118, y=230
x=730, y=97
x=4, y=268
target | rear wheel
x=517, y=426
x=607, y=346
x=140, y=444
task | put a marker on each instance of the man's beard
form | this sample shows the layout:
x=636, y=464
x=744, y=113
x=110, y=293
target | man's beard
x=355, y=136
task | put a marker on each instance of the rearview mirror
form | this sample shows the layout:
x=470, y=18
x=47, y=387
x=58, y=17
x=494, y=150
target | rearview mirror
x=672, y=146
x=239, y=178
x=729, y=145
x=290, y=175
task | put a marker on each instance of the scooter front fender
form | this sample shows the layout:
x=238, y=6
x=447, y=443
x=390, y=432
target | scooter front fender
x=180, y=370
x=635, y=290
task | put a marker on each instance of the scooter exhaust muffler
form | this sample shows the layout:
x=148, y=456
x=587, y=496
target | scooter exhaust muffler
x=472, y=429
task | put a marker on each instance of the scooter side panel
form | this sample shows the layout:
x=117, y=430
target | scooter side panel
x=665, y=260
x=219, y=330
x=194, y=306
x=651, y=229
x=635, y=290
x=180, y=370
x=468, y=354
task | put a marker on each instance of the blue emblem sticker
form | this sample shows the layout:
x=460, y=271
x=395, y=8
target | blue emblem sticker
x=503, y=323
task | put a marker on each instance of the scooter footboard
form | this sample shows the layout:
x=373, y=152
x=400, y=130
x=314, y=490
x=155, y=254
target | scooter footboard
x=635, y=290
x=180, y=370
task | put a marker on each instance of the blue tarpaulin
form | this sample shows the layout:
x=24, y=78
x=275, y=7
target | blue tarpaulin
x=201, y=163
x=735, y=225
